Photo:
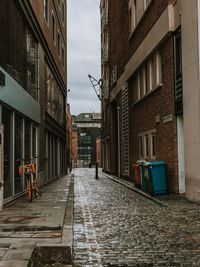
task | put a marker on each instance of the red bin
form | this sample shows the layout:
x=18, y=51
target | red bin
x=136, y=169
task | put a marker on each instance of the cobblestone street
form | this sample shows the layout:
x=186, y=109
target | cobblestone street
x=114, y=226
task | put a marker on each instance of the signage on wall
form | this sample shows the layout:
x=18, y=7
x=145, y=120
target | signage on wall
x=2, y=79
x=168, y=118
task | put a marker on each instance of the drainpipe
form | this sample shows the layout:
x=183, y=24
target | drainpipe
x=119, y=150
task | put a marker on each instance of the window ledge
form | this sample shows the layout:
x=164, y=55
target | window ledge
x=149, y=93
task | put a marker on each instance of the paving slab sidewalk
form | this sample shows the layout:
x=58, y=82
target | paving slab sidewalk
x=25, y=224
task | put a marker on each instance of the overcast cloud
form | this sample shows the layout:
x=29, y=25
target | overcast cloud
x=83, y=54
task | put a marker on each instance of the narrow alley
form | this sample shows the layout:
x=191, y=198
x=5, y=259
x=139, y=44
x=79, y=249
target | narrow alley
x=81, y=221
x=114, y=226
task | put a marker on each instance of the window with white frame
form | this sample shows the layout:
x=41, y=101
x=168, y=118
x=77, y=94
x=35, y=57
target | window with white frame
x=63, y=12
x=132, y=15
x=141, y=149
x=148, y=77
x=106, y=3
x=146, y=3
x=46, y=10
x=53, y=27
x=136, y=11
x=153, y=145
x=147, y=145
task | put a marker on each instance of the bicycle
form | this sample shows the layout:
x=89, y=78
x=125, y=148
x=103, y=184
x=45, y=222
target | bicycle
x=29, y=171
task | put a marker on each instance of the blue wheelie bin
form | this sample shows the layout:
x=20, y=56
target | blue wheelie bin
x=147, y=178
x=144, y=176
x=158, y=177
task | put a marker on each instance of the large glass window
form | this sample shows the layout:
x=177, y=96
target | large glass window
x=49, y=156
x=55, y=157
x=55, y=98
x=34, y=136
x=27, y=141
x=32, y=65
x=8, y=179
x=18, y=153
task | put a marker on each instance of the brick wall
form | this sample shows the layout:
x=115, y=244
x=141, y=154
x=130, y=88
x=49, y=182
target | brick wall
x=147, y=21
x=122, y=47
x=142, y=118
x=118, y=34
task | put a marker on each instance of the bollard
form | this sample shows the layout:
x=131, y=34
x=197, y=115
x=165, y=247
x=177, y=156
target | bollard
x=96, y=167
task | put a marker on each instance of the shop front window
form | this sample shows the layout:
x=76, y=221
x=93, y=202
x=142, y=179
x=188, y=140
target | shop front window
x=27, y=141
x=18, y=153
x=32, y=66
x=55, y=98
x=34, y=140
x=8, y=180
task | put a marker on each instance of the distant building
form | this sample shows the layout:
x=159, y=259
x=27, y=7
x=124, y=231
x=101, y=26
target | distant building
x=86, y=128
x=33, y=90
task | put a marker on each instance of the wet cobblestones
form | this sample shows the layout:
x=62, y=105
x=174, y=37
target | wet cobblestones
x=113, y=226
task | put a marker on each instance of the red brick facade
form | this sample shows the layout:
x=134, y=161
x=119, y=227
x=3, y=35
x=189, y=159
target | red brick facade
x=155, y=110
x=158, y=102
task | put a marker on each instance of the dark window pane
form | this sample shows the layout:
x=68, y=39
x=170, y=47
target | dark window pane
x=27, y=141
x=18, y=153
x=34, y=142
x=8, y=179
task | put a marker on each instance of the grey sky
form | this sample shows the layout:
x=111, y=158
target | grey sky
x=83, y=54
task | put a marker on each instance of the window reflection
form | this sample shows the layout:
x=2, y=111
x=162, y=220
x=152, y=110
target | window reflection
x=27, y=141
x=55, y=98
x=8, y=181
x=18, y=153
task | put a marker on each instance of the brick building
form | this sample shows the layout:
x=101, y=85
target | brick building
x=33, y=90
x=142, y=110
